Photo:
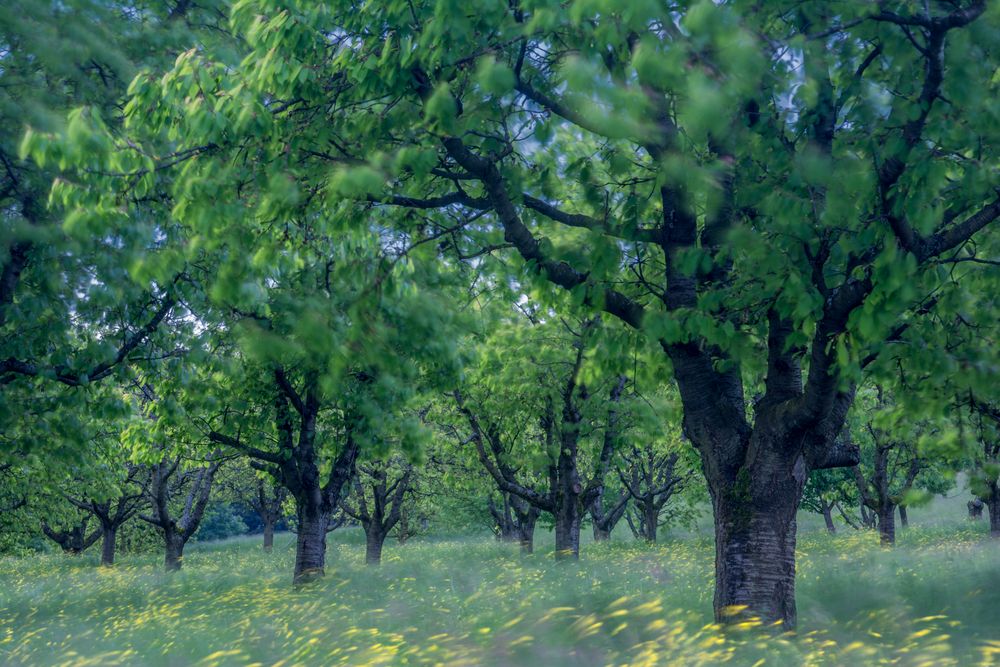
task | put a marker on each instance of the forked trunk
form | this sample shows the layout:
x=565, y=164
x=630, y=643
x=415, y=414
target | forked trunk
x=108, y=537
x=310, y=545
x=374, y=539
x=600, y=534
x=268, y=536
x=887, y=525
x=174, y=556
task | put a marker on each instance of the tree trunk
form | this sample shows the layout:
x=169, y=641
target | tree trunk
x=975, y=509
x=268, y=535
x=374, y=539
x=526, y=532
x=755, y=532
x=887, y=525
x=904, y=520
x=828, y=517
x=508, y=532
x=600, y=534
x=108, y=537
x=174, y=551
x=650, y=521
x=310, y=547
x=567, y=520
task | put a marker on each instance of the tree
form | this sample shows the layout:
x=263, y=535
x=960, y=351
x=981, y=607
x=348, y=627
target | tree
x=380, y=490
x=985, y=419
x=168, y=481
x=652, y=477
x=70, y=316
x=74, y=538
x=561, y=412
x=831, y=490
x=767, y=193
x=267, y=500
x=112, y=509
x=892, y=460
x=515, y=520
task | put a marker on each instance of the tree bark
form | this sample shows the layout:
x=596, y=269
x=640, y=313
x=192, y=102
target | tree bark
x=650, y=521
x=975, y=509
x=887, y=525
x=174, y=552
x=268, y=535
x=904, y=520
x=526, y=532
x=568, y=516
x=755, y=559
x=310, y=547
x=374, y=540
x=828, y=517
x=108, y=537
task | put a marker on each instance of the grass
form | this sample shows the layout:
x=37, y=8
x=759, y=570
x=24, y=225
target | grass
x=934, y=600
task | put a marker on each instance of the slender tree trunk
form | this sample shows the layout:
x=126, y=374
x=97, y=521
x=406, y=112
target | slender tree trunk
x=887, y=525
x=268, y=535
x=310, y=545
x=174, y=554
x=108, y=537
x=567, y=520
x=374, y=539
x=828, y=517
x=904, y=520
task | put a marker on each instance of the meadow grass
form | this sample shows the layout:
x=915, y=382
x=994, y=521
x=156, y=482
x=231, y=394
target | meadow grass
x=934, y=600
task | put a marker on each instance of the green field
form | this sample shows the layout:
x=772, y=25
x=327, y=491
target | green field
x=933, y=600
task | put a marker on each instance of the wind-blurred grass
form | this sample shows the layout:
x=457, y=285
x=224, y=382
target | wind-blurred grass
x=934, y=600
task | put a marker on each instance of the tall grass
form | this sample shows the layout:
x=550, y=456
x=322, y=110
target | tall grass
x=933, y=600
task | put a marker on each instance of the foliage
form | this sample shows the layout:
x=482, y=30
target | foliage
x=221, y=521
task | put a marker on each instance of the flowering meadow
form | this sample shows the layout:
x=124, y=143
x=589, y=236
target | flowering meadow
x=933, y=600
